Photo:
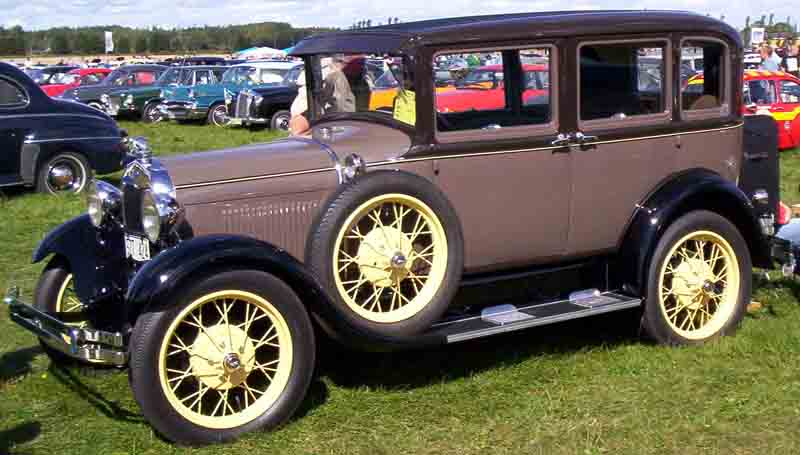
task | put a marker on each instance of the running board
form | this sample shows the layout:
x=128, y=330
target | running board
x=508, y=318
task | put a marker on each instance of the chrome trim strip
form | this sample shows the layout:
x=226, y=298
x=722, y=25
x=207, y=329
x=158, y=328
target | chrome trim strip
x=338, y=168
x=56, y=114
x=95, y=138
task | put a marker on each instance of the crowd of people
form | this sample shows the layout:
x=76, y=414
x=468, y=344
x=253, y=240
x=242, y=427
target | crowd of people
x=787, y=60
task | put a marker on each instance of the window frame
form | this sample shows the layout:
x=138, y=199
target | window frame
x=780, y=91
x=510, y=132
x=21, y=88
x=664, y=117
x=724, y=109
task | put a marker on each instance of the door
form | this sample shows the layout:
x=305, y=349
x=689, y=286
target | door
x=13, y=101
x=495, y=163
x=787, y=113
x=617, y=156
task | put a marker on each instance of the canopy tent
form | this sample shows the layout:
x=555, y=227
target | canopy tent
x=259, y=53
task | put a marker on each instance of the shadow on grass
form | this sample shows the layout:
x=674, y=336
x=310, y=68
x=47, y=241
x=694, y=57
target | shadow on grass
x=108, y=408
x=419, y=368
x=17, y=435
x=17, y=363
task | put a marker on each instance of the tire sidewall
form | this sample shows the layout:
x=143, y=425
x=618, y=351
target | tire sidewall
x=340, y=205
x=273, y=124
x=147, y=108
x=149, y=332
x=654, y=323
x=212, y=118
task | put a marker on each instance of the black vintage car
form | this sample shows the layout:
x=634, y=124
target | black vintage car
x=266, y=105
x=53, y=144
x=127, y=76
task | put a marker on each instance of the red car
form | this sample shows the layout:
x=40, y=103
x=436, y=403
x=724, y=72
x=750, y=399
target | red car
x=773, y=93
x=81, y=76
x=487, y=81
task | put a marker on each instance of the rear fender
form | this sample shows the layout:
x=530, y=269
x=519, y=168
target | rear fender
x=696, y=189
x=192, y=260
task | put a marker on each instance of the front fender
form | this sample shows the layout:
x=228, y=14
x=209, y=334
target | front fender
x=696, y=189
x=92, y=256
x=154, y=284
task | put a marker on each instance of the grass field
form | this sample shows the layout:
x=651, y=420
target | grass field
x=586, y=387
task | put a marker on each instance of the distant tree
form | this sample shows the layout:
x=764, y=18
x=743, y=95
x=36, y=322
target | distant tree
x=747, y=22
x=141, y=44
x=59, y=42
x=369, y=22
x=123, y=45
x=771, y=18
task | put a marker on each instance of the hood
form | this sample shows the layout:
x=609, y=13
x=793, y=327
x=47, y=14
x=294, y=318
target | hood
x=74, y=107
x=275, y=90
x=291, y=155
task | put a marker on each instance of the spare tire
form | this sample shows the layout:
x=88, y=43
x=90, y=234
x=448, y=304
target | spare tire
x=388, y=246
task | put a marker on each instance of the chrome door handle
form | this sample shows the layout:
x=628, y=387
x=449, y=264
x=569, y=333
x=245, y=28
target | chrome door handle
x=583, y=138
x=562, y=140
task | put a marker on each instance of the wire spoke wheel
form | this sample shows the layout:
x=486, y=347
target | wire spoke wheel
x=699, y=285
x=225, y=359
x=390, y=258
x=67, y=301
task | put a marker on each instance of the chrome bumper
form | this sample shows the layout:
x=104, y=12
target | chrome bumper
x=95, y=346
x=182, y=111
x=247, y=121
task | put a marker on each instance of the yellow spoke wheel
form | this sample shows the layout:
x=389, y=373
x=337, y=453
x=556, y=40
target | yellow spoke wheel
x=699, y=284
x=67, y=300
x=390, y=258
x=225, y=359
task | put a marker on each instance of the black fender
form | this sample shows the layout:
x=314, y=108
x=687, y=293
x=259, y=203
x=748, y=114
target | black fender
x=92, y=255
x=158, y=279
x=696, y=189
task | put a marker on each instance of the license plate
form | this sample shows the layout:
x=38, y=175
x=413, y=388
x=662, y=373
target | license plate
x=137, y=248
x=235, y=121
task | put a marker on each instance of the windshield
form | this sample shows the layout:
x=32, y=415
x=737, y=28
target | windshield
x=382, y=85
x=254, y=75
x=170, y=76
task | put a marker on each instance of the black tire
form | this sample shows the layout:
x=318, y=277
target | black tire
x=335, y=213
x=152, y=327
x=655, y=323
x=214, y=115
x=280, y=121
x=51, y=283
x=73, y=163
x=151, y=114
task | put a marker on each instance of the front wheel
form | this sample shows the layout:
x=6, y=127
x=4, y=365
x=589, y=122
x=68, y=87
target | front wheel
x=151, y=114
x=280, y=121
x=235, y=353
x=218, y=115
x=699, y=281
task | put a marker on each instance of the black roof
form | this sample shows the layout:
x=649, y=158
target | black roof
x=481, y=29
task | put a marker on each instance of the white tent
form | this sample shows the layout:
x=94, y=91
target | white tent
x=259, y=53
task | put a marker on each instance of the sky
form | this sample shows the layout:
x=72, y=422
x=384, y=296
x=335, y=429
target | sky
x=40, y=14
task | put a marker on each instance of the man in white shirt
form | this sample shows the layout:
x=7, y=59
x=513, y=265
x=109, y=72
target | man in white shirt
x=770, y=61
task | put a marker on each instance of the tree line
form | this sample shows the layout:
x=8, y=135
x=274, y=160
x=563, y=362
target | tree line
x=16, y=41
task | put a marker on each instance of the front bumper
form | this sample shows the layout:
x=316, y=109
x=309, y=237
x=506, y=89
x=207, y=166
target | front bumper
x=114, y=109
x=240, y=121
x=93, y=346
x=182, y=111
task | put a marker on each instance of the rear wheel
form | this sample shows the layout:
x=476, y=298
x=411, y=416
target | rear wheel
x=699, y=281
x=235, y=353
x=66, y=172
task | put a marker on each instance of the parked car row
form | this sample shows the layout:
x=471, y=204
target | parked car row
x=563, y=187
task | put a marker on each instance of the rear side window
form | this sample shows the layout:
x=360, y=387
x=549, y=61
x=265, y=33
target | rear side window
x=790, y=92
x=706, y=91
x=145, y=77
x=11, y=94
x=621, y=80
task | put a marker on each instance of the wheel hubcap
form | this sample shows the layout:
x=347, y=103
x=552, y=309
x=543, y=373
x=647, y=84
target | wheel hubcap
x=699, y=285
x=62, y=177
x=224, y=358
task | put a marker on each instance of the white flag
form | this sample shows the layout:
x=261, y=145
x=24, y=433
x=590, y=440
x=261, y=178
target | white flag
x=109, y=42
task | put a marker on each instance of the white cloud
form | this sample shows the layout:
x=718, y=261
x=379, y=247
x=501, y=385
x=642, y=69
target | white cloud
x=342, y=13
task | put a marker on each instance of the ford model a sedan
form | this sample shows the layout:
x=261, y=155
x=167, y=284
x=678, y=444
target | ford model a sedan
x=207, y=274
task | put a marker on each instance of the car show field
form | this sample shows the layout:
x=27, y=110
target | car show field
x=590, y=386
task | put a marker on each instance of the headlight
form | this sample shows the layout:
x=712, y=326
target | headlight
x=191, y=93
x=151, y=220
x=162, y=94
x=258, y=99
x=102, y=200
x=228, y=97
x=129, y=100
x=104, y=98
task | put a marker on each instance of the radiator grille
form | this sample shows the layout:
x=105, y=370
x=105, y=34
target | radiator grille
x=243, y=102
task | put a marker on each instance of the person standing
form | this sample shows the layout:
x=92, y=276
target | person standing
x=791, y=61
x=769, y=59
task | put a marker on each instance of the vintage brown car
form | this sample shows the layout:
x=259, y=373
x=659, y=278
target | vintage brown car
x=207, y=274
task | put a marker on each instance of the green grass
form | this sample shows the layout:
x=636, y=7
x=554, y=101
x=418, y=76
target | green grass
x=585, y=387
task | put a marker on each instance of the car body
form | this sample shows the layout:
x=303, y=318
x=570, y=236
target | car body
x=76, y=77
x=611, y=192
x=51, y=74
x=773, y=93
x=136, y=100
x=127, y=76
x=209, y=102
x=52, y=144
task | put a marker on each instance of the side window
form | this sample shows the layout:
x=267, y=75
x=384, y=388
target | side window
x=707, y=92
x=218, y=74
x=760, y=92
x=790, y=92
x=478, y=90
x=202, y=78
x=621, y=80
x=90, y=79
x=145, y=77
x=11, y=95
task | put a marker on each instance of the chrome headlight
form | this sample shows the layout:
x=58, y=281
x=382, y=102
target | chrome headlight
x=151, y=220
x=228, y=96
x=162, y=94
x=102, y=200
x=190, y=94
x=129, y=100
x=258, y=99
x=104, y=98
